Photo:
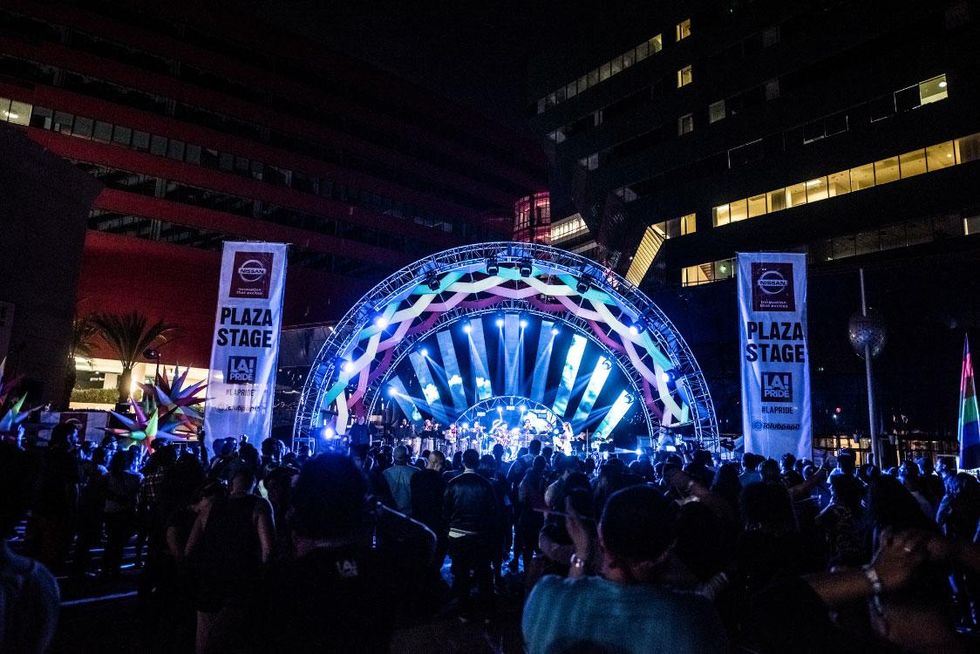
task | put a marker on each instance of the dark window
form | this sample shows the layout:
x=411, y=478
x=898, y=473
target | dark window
x=122, y=135
x=835, y=124
x=63, y=121
x=103, y=131
x=41, y=117
x=158, y=145
x=226, y=161
x=84, y=127
x=175, y=150
x=193, y=154
x=209, y=158
x=813, y=131
x=882, y=107
x=141, y=141
x=907, y=99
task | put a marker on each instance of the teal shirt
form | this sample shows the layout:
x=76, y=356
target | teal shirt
x=595, y=614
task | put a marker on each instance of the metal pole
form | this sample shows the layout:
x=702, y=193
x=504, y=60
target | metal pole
x=872, y=422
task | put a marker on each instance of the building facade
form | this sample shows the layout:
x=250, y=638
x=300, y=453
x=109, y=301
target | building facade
x=216, y=127
x=690, y=131
x=717, y=126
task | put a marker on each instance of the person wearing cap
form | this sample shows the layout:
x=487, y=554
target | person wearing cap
x=399, y=480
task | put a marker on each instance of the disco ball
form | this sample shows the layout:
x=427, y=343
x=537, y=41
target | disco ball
x=867, y=331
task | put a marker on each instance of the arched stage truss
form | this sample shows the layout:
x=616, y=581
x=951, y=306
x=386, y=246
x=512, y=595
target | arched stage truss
x=355, y=368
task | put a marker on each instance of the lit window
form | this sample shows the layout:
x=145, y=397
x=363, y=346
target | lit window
x=940, y=156
x=912, y=163
x=886, y=170
x=571, y=90
x=685, y=124
x=776, y=199
x=684, y=29
x=616, y=66
x=933, y=90
x=720, y=215
x=816, y=189
x=604, y=72
x=796, y=195
x=862, y=177
x=757, y=205
x=689, y=224
x=684, y=76
x=642, y=51
x=656, y=44
x=18, y=113
x=716, y=111
x=739, y=210
x=839, y=183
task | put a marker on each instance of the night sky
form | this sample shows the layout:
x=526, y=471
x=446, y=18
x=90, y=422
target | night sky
x=473, y=52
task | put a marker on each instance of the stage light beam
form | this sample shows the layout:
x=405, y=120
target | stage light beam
x=568, y=374
x=616, y=413
x=597, y=380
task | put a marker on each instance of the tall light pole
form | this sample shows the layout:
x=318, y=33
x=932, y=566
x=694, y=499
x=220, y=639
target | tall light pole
x=866, y=332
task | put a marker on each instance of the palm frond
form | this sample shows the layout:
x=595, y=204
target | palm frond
x=129, y=335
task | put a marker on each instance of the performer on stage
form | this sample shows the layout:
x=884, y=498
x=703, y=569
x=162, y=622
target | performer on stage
x=404, y=431
x=564, y=443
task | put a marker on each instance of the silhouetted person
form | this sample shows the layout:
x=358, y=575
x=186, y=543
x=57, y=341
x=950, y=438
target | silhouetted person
x=470, y=512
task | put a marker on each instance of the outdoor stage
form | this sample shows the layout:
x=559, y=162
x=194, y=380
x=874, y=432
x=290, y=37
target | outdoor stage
x=500, y=342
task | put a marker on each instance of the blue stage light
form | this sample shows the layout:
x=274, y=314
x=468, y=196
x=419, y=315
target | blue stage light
x=348, y=366
x=467, y=328
x=554, y=331
x=392, y=391
x=500, y=322
x=634, y=330
x=381, y=322
x=523, y=323
x=664, y=377
x=424, y=352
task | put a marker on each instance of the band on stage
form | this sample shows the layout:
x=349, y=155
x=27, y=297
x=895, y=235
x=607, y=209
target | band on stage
x=457, y=437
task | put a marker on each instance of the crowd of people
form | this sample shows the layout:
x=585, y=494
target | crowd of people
x=264, y=550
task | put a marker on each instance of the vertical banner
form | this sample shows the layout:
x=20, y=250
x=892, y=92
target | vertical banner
x=245, y=346
x=774, y=354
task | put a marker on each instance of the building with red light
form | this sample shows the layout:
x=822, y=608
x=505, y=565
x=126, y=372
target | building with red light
x=215, y=127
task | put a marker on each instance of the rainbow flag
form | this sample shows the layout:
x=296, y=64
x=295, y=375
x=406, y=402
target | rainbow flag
x=968, y=429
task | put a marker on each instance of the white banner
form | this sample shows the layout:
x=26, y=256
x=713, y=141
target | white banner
x=774, y=354
x=245, y=347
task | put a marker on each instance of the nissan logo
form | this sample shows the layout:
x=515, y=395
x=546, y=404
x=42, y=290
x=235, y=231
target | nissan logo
x=772, y=282
x=251, y=271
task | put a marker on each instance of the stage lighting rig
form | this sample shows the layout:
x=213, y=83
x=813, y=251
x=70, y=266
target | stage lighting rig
x=526, y=267
x=583, y=285
x=432, y=280
x=492, y=266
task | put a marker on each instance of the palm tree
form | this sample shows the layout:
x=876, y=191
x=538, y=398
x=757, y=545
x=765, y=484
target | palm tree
x=83, y=334
x=130, y=335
